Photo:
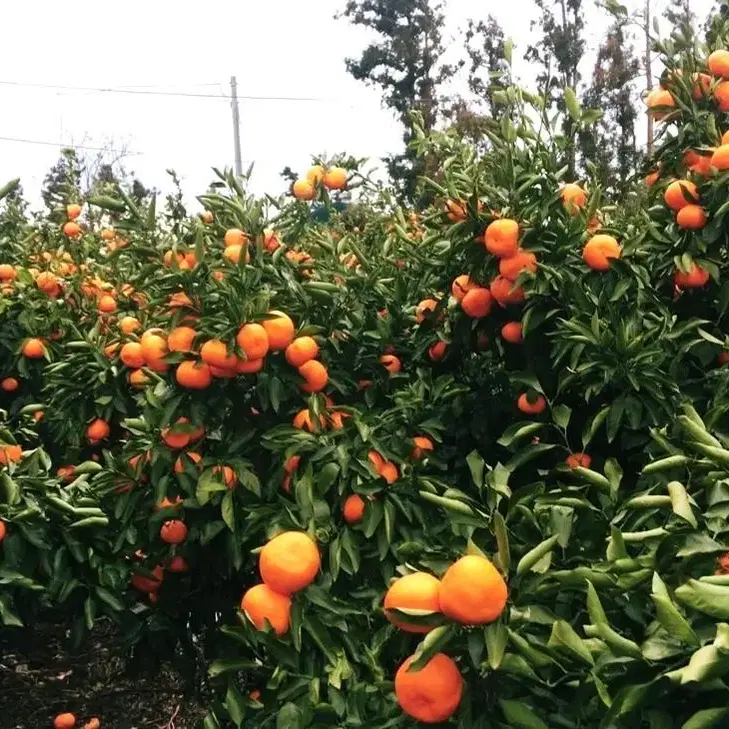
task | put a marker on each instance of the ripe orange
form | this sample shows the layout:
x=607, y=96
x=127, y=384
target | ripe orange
x=280, y=330
x=73, y=211
x=7, y=272
x=423, y=308
x=315, y=374
x=235, y=237
x=505, y=292
x=521, y=261
x=173, y=531
x=108, y=234
x=389, y=472
x=420, y=445
x=303, y=190
x=71, y=229
x=681, y=193
x=260, y=604
x=253, y=341
x=456, y=211
x=718, y=63
x=472, y=591
x=461, y=286
x=301, y=350
x=233, y=253
x=652, y=177
x=66, y=720
x=180, y=463
x=194, y=375
x=512, y=332
x=9, y=384
x=180, y=300
x=437, y=351
x=695, y=279
x=215, y=353
x=335, y=178
x=178, y=564
x=174, y=437
x=531, y=407
x=3, y=530
x=723, y=358
x=289, y=562
x=227, y=474
x=573, y=197
x=10, y=454
x=432, y=694
x=148, y=584
x=249, y=366
x=376, y=460
x=599, y=250
x=303, y=421
x=577, y=460
x=138, y=379
x=315, y=174
x=33, y=348
x=46, y=281
x=65, y=473
x=391, y=363
x=700, y=164
x=132, y=355
x=107, y=304
x=180, y=339
x=702, y=86
x=721, y=95
x=659, y=98
x=477, y=302
x=129, y=324
x=502, y=237
x=353, y=509
x=691, y=217
x=720, y=158
x=417, y=591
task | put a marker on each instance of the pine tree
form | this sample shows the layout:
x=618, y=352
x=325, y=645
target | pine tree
x=405, y=62
x=558, y=54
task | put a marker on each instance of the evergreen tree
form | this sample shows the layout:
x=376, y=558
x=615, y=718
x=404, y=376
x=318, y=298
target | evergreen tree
x=405, y=62
x=557, y=54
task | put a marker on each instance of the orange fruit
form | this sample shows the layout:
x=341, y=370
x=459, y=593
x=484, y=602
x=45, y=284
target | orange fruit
x=691, y=217
x=420, y=445
x=521, y=261
x=718, y=63
x=456, y=211
x=97, y=430
x=233, y=253
x=253, y=341
x=178, y=564
x=180, y=339
x=477, y=302
x=721, y=95
x=235, y=237
x=9, y=384
x=353, y=509
x=335, y=178
x=132, y=355
x=599, y=250
x=315, y=174
x=502, y=237
x=179, y=300
x=418, y=591
x=512, y=332
x=652, y=177
x=577, y=460
x=194, y=375
x=301, y=350
x=108, y=234
x=129, y=324
x=215, y=353
x=3, y=530
x=505, y=292
x=173, y=531
x=472, y=591
x=389, y=472
x=531, y=407
x=423, y=308
x=437, y=351
x=702, y=86
x=695, y=279
x=303, y=421
x=106, y=304
x=681, y=193
x=700, y=164
x=227, y=474
x=71, y=229
x=10, y=454
x=659, y=98
x=180, y=463
x=260, y=604
x=280, y=330
x=46, y=281
x=33, y=348
x=391, y=363
x=461, y=286
x=65, y=473
x=249, y=366
x=174, y=437
x=148, y=584
x=303, y=190
x=720, y=158
x=432, y=694
x=66, y=720
x=73, y=211
x=573, y=197
x=289, y=562
x=138, y=379
x=7, y=272
x=376, y=460
x=315, y=374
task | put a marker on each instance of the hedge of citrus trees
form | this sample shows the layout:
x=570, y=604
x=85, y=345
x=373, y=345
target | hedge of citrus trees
x=467, y=465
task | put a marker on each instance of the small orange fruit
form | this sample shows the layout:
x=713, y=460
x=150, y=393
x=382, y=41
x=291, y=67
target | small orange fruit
x=215, y=353
x=456, y=211
x=227, y=474
x=233, y=253
x=681, y=193
x=129, y=324
x=720, y=158
x=721, y=95
x=3, y=530
x=599, y=250
x=10, y=454
x=173, y=531
x=702, y=86
x=472, y=591
x=180, y=463
x=335, y=178
x=512, y=332
x=391, y=363
x=315, y=374
x=437, y=351
x=34, y=348
x=573, y=197
x=477, y=302
x=431, y=695
x=73, y=211
x=235, y=237
x=261, y=604
x=175, y=437
x=280, y=330
x=461, y=286
x=253, y=341
x=421, y=444
x=418, y=591
x=178, y=564
x=138, y=379
x=180, y=339
x=148, y=584
x=46, y=281
x=502, y=237
x=691, y=217
x=658, y=99
x=108, y=234
x=389, y=472
x=315, y=174
x=301, y=350
x=533, y=406
x=695, y=279
x=7, y=272
x=249, y=366
x=303, y=190
x=71, y=229
x=107, y=304
x=10, y=384
x=289, y=562
x=521, y=261
x=423, y=308
x=578, y=460
x=718, y=63
x=505, y=292
x=132, y=355
x=353, y=509
x=194, y=375
x=652, y=177
x=303, y=421
x=66, y=720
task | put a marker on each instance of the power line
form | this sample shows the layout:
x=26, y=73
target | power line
x=118, y=90
x=67, y=146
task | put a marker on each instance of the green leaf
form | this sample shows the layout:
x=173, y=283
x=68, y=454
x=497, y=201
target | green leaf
x=573, y=106
x=289, y=717
x=680, y=502
x=518, y=430
x=564, y=638
x=496, y=639
x=227, y=510
x=705, y=597
x=520, y=716
x=502, y=542
x=225, y=665
x=235, y=704
x=476, y=465
x=7, y=615
x=433, y=643
x=533, y=556
x=561, y=416
x=706, y=719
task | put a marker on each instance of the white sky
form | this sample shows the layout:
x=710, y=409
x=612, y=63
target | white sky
x=275, y=48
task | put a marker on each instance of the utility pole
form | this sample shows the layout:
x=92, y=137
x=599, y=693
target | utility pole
x=236, y=125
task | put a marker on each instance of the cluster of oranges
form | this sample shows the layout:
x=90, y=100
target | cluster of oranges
x=288, y=563
x=67, y=720
x=71, y=228
x=334, y=178
x=471, y=592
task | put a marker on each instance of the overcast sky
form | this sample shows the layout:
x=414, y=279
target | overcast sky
x=280, y=48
